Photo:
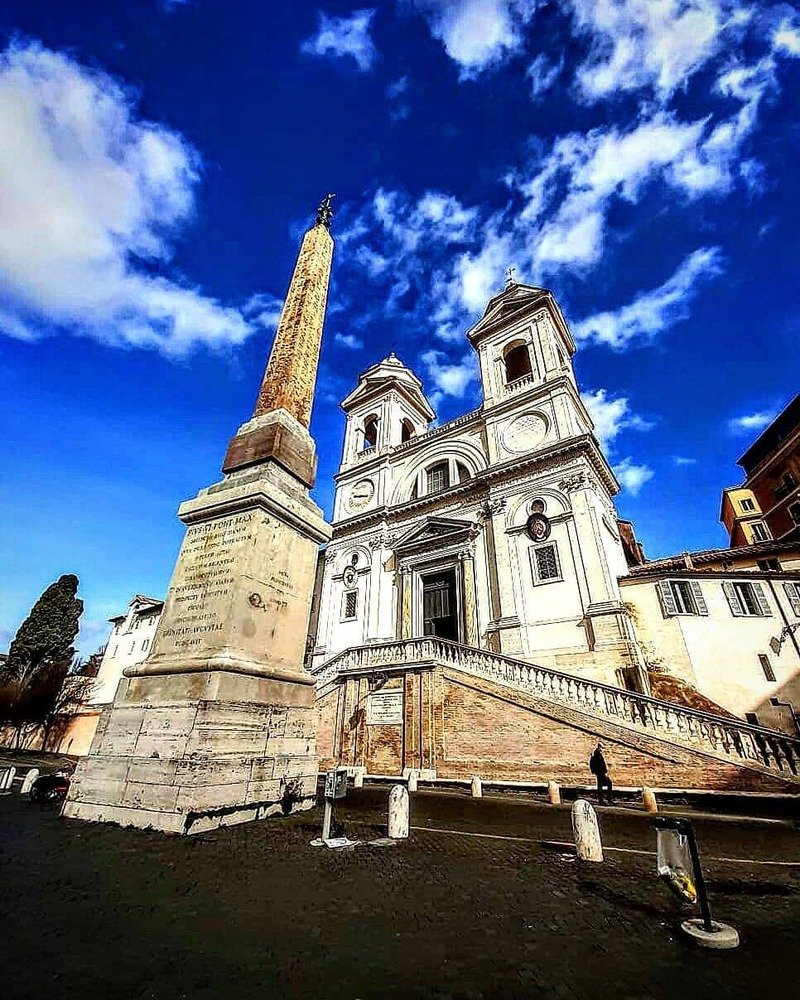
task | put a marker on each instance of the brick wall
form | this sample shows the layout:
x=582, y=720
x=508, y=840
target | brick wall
x=470, y=726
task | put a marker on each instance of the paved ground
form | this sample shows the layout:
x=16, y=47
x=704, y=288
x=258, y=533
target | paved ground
x=254, y=911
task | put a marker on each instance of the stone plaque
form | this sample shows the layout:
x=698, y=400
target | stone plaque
x=385, y=708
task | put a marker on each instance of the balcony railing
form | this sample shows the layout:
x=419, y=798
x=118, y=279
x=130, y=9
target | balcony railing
x=737, y=741
x=518, y=383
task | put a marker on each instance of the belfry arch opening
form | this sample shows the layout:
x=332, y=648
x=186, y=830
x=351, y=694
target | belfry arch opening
x=406, y=430
x=517, y=361
x=370, y=433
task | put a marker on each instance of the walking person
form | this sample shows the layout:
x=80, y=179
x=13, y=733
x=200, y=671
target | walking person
x=599, y=768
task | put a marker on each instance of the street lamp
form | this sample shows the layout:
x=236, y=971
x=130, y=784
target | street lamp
x=776, y=642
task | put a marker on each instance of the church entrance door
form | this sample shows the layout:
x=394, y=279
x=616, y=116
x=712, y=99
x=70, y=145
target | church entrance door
x=439, y=605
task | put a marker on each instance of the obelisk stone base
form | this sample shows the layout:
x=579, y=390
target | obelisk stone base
x=168, y=759
x=218, y=725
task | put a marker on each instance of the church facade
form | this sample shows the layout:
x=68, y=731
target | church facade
x=481, y=609
x=496, y=530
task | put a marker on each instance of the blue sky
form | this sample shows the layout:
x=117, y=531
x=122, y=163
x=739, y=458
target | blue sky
x=160, y=161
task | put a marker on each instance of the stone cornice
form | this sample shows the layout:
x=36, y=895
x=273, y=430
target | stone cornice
x=369, y=391
x=409, y=447
x=476, y=489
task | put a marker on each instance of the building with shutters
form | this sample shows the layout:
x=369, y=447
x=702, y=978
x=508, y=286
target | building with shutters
x=128, y=644
x=481, y=608
x=722, y=623
x=767, y=505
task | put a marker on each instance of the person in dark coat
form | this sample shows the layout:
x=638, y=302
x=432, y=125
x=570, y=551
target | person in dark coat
x=599, y=768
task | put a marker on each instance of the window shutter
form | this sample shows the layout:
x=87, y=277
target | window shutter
x=793, y=593
x=763, y=603
x=699, y=600
x=733, y=600
x=668, y=605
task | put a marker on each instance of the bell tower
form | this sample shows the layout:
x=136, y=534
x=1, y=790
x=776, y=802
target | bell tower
x=525, y=352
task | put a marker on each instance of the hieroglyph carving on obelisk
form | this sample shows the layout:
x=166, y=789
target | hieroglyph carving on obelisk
x=292, y=368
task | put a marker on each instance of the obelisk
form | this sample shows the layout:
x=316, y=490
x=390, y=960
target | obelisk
x=218, y=725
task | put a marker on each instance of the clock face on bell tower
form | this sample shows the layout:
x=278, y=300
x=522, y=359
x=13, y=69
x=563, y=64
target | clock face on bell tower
x=360, y=495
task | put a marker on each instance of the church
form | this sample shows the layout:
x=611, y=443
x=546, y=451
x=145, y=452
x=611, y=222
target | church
x=481, y=608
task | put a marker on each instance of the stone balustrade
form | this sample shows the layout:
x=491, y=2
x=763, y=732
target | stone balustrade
x=701, y=730
x=519, y=383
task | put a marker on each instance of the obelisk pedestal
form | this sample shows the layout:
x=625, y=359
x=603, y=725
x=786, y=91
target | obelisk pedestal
x=218, y=725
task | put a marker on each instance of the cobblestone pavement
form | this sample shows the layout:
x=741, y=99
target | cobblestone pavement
x=255, y=911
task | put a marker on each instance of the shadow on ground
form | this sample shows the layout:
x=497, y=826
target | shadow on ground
x=255, y=911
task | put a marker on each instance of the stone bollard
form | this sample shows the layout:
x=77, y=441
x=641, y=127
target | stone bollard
x=398, y=813
x=358, y=777
x=28, y=780
x=554, y=793
x=649, y=800
x=588, y=845
x=412, y=781
x=7, y=780
x=477, y=787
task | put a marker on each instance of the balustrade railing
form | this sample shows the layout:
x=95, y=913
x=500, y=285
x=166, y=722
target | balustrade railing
x=702, y=730
x=518, y=383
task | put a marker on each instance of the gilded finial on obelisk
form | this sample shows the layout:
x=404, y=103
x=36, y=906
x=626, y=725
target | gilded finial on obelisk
x=325, y=212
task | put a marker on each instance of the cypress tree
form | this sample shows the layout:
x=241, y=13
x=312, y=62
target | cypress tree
x=45, y=639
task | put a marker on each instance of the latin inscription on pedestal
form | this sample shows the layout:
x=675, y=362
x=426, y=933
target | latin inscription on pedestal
x=239, y=586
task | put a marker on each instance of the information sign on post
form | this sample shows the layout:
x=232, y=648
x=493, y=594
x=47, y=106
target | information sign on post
x=678, y=863
x=336, y=783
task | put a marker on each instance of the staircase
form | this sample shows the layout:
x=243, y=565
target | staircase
x=723, y=738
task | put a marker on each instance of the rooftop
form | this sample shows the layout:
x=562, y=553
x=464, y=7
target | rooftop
x=782, y=427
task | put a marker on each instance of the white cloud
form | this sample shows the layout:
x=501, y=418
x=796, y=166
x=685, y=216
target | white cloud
x=542, y=74
x=397, y=88
x=263, y=309
x=655, y=311
x=651, y=43
x=393, y=239
x=345, y=38
x=89, y=191
x=683, y=460
x=397, y=92
x=612, y=416
x=786, y=38
x=349, y=340
x=751, y=422
x=450, y=378
x=478, y=34
x=632, y=477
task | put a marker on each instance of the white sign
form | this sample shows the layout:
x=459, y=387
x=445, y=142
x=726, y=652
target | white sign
x=385, y=708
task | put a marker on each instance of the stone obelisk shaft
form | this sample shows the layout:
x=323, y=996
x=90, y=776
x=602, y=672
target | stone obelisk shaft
x=292, y=368
x=278, y=429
